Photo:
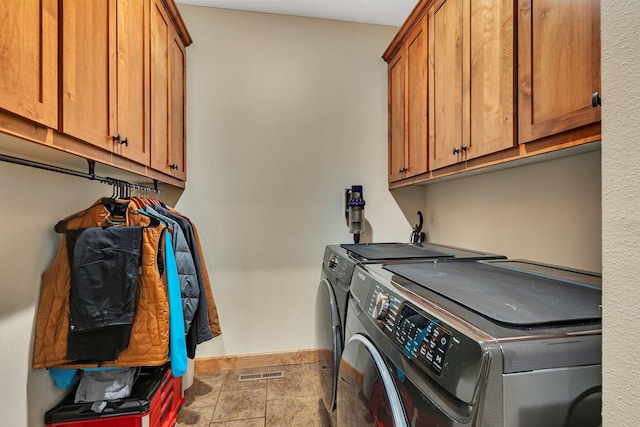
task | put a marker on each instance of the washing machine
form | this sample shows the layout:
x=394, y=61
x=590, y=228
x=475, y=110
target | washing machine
x=502, y=343
x=338, y=264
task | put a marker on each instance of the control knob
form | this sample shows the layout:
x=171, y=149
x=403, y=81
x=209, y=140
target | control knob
x=382, y=306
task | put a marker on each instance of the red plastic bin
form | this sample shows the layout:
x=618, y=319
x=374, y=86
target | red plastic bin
x=154, y=402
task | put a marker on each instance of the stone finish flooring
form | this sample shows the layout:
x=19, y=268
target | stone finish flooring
x=219, y=399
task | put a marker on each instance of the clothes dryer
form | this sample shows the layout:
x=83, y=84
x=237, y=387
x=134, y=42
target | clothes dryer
x=332, y=296
x=487, y=343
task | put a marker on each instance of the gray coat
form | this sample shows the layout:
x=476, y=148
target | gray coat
x=189, y=288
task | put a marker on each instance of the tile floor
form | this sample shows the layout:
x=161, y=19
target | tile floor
x=219, y=399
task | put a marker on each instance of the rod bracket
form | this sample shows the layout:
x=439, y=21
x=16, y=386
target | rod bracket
x=92, y=169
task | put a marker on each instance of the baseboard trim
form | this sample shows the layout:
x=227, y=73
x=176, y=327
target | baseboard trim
x=256, y=360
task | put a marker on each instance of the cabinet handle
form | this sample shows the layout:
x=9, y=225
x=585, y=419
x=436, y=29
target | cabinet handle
x=596, y=100
x=455, y=151
x=120, y=140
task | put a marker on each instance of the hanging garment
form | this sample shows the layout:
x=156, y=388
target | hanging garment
x=195, y=247
x=149, y=337
x=212, y=310
x=104, y=265
x=177, y=340
x=186, y=268
x=200, y=329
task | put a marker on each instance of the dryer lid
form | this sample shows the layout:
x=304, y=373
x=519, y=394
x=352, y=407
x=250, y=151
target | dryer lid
x=508, y=296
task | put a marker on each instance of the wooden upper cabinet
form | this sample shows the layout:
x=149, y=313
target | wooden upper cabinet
x=88, y=54
x=103, y=75
x=407, y=99
x=396, y=117
x=559, y=66
x=177, y=116
x=416, y=157
x=471, y=66
x=490, y=89
x=29, y=59
x=167, y=95
x=160, y=90
x=446, y=55
x=133, y=82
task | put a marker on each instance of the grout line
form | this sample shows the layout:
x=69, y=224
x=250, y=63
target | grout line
x=265, y=402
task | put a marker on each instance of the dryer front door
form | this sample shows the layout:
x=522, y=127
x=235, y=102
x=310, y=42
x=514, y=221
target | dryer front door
x=367, y=395
x=329, y=339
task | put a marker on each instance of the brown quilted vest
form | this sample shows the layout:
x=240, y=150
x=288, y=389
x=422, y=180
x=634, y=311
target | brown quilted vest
x=149, y=339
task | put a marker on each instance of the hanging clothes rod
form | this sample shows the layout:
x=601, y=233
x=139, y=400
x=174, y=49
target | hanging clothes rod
x=88, y=175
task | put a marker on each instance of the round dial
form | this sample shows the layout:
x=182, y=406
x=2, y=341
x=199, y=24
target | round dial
x=382, y=306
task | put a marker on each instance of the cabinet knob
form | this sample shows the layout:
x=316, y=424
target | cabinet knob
x=125, y=141
x=116, y=138
x=455, y=151
x=464, y=148
x=596, y=100
x=173, y=166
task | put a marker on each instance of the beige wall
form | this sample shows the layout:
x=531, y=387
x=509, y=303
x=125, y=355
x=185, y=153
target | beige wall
x=33, y=202
x=620, y=206
x=283, y=114
x=548, y=212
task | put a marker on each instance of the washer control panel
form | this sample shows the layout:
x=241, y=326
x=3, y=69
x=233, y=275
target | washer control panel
x=440, y=346
x=420, y=337
x=337, y=266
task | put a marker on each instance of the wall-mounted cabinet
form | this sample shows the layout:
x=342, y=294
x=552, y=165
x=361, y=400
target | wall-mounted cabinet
x=491, y=89
x=103, y=75
x=121, y=65
x=559, y=72
x=167, y=95
x=29, y=60
x=408, y=106
x=471, y=74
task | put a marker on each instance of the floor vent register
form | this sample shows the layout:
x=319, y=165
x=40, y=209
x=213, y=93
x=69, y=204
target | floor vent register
x=261, y=376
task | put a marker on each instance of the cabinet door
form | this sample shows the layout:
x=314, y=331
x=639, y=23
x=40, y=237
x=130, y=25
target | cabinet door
x=160, y=92
x=88, y=95
x=167, y=95
x=177, y=117
x=29, y=59
x=559, y=65
x=445, y=82
x=416, y=140
x=489, y=79
x=133, y=86
x=396, y=116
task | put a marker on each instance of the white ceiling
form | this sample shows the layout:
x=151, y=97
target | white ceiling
x=384, y=12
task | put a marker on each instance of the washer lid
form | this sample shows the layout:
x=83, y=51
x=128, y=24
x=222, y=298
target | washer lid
x=504, y=295
x=393, y=251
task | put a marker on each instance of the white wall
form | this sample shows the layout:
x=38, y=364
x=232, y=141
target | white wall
x=283, y=114
x=547, y=212
x=620, y=206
